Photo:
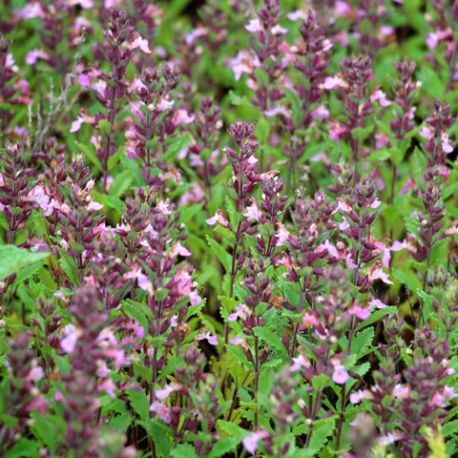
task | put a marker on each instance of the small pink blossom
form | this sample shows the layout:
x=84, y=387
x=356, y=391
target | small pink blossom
x=34, y=55
x=182, y=117
x=379, y=274
x=426, y=132
x=254, y=26
x=161, y=411
x=299, y=362
x=446, y=146
x=377, y=303
x=251, y=441
x=298, y=14
x=218, y=218
x=380, y=97
x=332, y=82
x=253, y=213
x=282, y=235
x=242, y=311
x=359, y=312
x=142, y=280
x=140, y=43
x=71, y=336
x=357, y=396
x=340, y=375
x=179, y=250
x=211, y=339
x=310, y=320
x=401, y=391
x=320, y=113
x=167, y=391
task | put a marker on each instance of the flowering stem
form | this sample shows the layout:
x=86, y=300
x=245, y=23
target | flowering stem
x=256, y=382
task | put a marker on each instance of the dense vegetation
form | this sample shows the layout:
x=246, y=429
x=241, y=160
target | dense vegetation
x=228, y=228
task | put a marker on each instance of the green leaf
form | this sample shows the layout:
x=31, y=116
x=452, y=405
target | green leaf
x=228, y=429
x=223, y=447
x=49, y=429
x=23, y=448
x=407, y=278
x=221, y=254
x=362, y=342
x=361, y=133
x=69, y=266
x=13, y=259
x=271, y=339
x=376, y=316
x=121, y=184
x=160, y=434
x=109, y=201
x=139, y=402
x=322, y=429
x=184, y=451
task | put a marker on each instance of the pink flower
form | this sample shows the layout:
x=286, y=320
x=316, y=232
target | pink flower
x=426, y=132
x=380, y=97
x=242, y=311
x=34, y=55
x=244, y=62
x=179, y=250
x=359, y=312
x=251, y=441
x=161, y=411
x=377, y=303
x=378, y=274
x=142, y=280
x=357, y=396
x=282, y=235
x=140, y=43
x=401, y=391
x=211, y=339
x=278, y=30
x=254, y=26
x=85, y=4
x=108, y=387
x=446, y=146
x=298, y=14
x=332, y=82
x=340, y=375
x=320, y=113
x=253, y=213
x=310, y=320
x=31, y=10
x=330, y=248
x=182, y=117
x=167, y=391
x=218, y=218
x=299, y=362
x=71, y=336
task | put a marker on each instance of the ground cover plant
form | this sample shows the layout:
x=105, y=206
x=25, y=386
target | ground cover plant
x=228, y=228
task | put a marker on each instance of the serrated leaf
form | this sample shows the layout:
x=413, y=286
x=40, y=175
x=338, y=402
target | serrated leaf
x=139, y=402
x=23, y=448
x=223, y=447
x=221, y=254
x=376, y=316
x=14, y=259
x=271, y=339
x=322, y=429
x=184, y=451
x=362, y=341
x=407, y=278
x=160, y=434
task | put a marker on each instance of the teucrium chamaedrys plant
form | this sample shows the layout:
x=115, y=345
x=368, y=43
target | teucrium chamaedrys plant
x=228, y=229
